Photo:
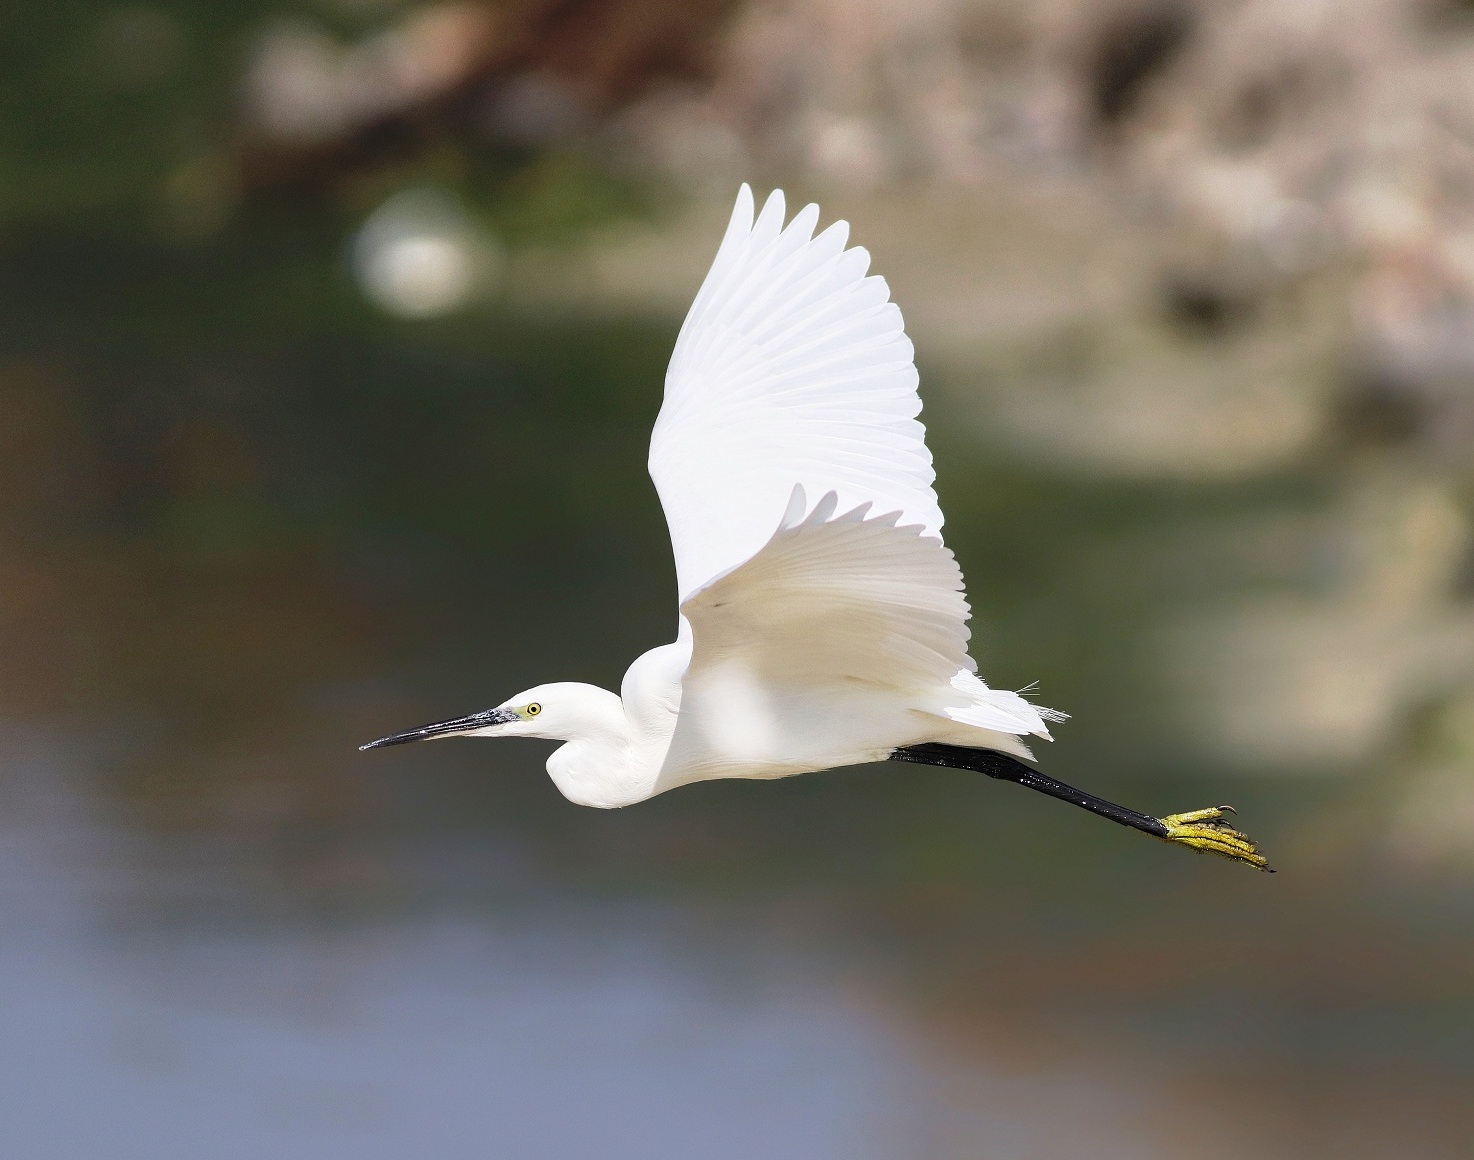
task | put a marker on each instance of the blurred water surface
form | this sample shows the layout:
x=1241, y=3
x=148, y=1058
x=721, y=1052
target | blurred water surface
x=246, y=524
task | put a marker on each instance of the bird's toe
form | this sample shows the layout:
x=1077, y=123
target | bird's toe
x=1207, y=832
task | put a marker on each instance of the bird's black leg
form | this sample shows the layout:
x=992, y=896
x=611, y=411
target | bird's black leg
x=1203, y=830
x=1006, y=768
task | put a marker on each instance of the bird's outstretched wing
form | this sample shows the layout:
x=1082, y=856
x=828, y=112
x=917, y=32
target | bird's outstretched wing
x=834, y=598
x=793, y=376
x=792, y=367
x=826, y=644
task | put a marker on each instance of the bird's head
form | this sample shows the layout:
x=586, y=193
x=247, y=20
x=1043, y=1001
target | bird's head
x=565, y=711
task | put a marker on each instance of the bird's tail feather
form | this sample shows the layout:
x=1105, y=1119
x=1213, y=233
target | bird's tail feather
x=1000, y=710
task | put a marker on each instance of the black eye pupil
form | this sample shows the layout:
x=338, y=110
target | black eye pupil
x=534, y=710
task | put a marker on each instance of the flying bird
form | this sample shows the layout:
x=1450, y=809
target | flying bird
x=822, y=620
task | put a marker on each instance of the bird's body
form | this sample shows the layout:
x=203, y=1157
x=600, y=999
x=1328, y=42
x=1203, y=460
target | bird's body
x=671, y=726
x=822, y=620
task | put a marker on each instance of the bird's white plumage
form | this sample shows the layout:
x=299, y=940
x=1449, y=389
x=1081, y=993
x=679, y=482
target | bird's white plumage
x=792, y=367
x=823, y=621
x=837, y=598
x=793, y=376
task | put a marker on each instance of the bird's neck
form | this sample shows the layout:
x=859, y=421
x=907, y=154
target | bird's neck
x=617, y=759
x=596, y=767
x=599, y=773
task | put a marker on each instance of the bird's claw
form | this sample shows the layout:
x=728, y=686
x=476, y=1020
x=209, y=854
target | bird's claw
x=1207, y=832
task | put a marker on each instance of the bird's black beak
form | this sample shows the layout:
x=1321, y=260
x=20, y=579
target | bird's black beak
x=480, y=720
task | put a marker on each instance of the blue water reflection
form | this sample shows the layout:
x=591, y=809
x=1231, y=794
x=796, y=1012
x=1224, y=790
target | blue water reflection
x=575, y=1031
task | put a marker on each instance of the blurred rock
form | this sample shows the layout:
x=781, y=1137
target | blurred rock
x=1282, y=134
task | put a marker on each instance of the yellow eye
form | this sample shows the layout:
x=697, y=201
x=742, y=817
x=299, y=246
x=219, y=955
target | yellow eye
x=533, y=709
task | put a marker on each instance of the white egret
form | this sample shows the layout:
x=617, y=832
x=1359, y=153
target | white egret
x=822, y=621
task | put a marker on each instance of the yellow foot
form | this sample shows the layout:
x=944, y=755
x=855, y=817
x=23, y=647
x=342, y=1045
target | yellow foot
x=1208, y=832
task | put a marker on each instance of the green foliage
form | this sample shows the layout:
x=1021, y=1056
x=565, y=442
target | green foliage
x=103, y=106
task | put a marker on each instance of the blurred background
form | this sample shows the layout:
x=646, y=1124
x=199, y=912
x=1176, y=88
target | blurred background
x=331, y=334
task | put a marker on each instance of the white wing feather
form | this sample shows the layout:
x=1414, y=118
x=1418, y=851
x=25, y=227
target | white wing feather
x=792, y=367
x=850, y=605
x=833, y=599
x=793, y=374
